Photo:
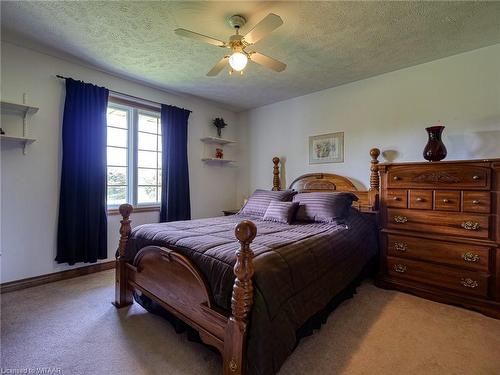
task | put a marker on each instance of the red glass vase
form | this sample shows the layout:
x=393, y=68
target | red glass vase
x=435, y=149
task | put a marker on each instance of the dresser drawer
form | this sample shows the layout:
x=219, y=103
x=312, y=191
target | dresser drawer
x=470, y=282
x=439, y=176
x=477, y=201
x=447, y=200
x=449, y=253
x=396, y=198
x=420, y=199
x=448, y=223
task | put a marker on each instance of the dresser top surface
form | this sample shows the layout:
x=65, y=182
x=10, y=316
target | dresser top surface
x=443, y=162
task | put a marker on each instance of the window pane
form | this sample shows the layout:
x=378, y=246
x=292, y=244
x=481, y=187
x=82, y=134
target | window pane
x=117, y=156
x=146, y=159
x=147, y=141
x=146, y=176
x=117, y=118
x=117, y=137
x=148, y=123
x=146, y=127
x=117, y=175
x=146, y=194
x=117, y=195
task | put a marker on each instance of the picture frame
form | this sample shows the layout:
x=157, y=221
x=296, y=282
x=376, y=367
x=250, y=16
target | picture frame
x=326, y=148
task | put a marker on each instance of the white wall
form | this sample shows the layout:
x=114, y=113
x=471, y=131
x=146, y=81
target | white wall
x=30, y=184
x=389, y=111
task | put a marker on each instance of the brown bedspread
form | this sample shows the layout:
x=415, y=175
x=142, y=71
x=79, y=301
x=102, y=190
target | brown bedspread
x=299, y=268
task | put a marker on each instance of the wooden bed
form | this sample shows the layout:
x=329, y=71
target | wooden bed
x=175, y=283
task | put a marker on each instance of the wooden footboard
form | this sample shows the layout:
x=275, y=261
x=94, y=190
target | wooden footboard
x=173, y=281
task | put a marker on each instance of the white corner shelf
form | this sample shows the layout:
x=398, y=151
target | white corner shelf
x=222, y=161
x=25, y=111
x=17, y=108
x=218, y=141
x=24, y=141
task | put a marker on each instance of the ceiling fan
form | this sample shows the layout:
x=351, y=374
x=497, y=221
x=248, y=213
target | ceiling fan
x=238, y=58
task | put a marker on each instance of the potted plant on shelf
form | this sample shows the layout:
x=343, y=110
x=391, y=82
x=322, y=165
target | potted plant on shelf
x=219, y=124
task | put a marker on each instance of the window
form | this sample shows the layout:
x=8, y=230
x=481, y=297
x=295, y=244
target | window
x=133, y=155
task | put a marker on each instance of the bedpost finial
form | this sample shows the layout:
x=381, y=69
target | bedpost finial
x=125, y=210
x=374, y=153
x=245, y=231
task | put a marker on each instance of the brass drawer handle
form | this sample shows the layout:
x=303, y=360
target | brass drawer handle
x=475, y=201
x=476, y=177
x=446, y=200
x=400, y=246
x=400, y=219
x=401, y=268
x=419, y=199
x=396, y=198
x=470, y=225
x=396, y=178
x=469, y=283
x=470, y=257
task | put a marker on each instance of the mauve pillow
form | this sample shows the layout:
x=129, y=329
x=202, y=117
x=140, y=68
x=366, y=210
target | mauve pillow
x=323, y=207
x=281, y=212
x=259, y=201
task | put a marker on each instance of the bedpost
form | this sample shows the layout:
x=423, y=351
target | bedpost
x=374, y=178
x=123, y=294
x=241, y=302
x=276, y=174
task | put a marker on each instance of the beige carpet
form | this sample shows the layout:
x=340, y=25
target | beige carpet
x=72, y=325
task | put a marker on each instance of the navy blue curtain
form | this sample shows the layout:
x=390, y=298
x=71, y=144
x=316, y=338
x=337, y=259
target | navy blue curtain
x=82, y=226
x=175, y=202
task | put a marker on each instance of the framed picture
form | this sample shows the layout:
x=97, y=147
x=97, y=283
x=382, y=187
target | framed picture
x=326, y=148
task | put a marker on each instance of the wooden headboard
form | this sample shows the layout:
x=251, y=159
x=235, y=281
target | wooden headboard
x=367, y=199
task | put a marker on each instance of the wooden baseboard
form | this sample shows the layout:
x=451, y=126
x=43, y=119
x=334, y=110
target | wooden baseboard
x=56, y=276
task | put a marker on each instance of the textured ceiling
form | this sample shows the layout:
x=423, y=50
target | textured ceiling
x=324, y=44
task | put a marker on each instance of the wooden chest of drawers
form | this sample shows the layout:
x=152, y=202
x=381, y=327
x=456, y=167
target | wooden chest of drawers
x=440, y=231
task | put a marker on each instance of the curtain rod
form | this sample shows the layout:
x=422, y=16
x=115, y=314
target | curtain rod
x=120, y=93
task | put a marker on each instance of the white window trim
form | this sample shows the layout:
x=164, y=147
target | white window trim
x=132, y=157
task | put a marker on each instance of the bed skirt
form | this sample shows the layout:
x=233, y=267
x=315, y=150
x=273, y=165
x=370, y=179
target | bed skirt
x=313, y=323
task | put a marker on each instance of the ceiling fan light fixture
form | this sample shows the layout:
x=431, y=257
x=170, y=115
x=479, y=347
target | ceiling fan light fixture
x=238, y=58
x=238, y=61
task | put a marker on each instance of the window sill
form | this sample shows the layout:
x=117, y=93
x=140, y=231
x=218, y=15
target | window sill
x=115, y=211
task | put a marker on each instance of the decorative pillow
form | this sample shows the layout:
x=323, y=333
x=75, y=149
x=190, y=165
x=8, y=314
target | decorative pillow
x=323, y=207
x=281, y=212
x=259, y=201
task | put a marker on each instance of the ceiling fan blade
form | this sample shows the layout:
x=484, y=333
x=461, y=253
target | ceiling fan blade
x=267, y=61
x=264, y=27
x=202, y=38
x=218, y=67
